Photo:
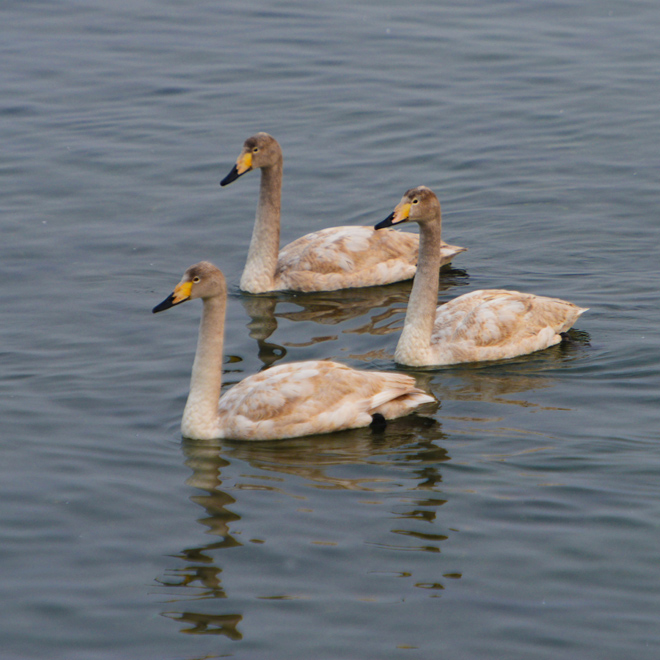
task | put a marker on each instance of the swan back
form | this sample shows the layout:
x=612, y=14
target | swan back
x=497, y=324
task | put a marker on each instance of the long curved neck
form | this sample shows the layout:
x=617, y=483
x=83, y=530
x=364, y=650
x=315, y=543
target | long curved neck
x=420, y=316
x=200, y=416
x=259, y=273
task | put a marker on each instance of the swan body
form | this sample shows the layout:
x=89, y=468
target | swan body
x=285, y=401
x=493, y=324
x=326, y=260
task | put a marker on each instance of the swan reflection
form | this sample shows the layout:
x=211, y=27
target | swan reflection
x=494, y=382
x=313, y=458
x=329, y=484
x=209, y=624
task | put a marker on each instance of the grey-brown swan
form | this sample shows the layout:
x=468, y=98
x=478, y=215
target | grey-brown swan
x=491, y=324
x=289, y=400
x=325, y=260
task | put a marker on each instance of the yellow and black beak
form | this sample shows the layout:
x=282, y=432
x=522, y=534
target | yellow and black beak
x=180, y=294
x=400, y=214
x=243, y=165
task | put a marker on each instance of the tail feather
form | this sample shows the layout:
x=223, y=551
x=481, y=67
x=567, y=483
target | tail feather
x=396, y=403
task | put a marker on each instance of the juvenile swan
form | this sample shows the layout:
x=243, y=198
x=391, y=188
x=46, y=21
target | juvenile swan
x=326, y=260
x=491, y=324
x=285, y=401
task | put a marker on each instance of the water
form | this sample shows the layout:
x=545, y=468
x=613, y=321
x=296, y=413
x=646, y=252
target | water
x=520, y=520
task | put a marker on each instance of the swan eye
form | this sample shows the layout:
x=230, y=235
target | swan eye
x=196, y=279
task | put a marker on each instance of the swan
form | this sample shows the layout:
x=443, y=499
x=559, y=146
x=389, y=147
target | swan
x=492, y=324
x=289, y=400
x=325, y=260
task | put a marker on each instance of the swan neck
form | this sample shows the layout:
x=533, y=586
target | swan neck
x=420, y=315
x=259, y=273
x=201, y=411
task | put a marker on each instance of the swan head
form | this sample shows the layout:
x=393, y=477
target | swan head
x=260, y=150
x=203, y=280
x=419, y=205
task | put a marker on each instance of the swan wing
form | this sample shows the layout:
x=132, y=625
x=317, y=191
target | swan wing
x=496, y=324
x=342, y=257
x=312, y=397
x=352, y=256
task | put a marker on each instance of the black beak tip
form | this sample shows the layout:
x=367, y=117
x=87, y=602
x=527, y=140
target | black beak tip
x=385, y=223
x=166, y=304
x=232, y=176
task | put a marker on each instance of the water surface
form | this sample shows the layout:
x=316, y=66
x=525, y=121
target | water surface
x=517, y=520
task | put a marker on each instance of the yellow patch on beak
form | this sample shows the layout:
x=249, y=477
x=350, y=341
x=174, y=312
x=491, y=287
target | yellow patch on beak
x=401, y=213
x=181, y=292
x=244, y=163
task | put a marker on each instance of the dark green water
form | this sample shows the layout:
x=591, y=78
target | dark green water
x=520, y=520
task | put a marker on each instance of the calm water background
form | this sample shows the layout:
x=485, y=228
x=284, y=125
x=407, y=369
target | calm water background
x=520, y=520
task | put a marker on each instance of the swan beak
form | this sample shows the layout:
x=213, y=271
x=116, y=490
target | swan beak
x=400, y=214
x=180, y=294
x=243, y=165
